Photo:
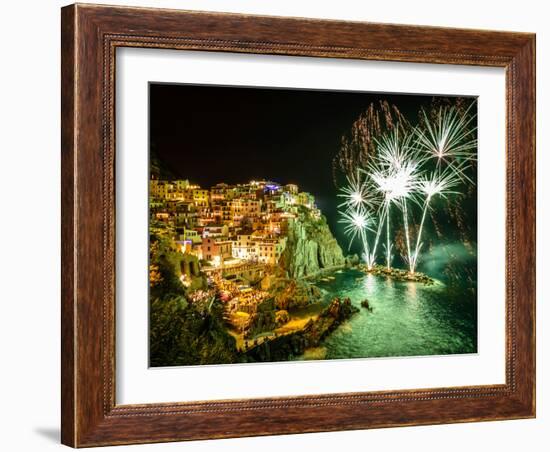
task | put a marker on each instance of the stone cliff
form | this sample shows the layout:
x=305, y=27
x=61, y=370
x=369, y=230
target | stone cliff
x=310, y=246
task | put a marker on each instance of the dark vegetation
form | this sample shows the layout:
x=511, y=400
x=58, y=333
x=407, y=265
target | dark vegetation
x=180, y=332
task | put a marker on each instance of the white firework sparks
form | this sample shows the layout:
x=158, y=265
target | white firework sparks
x=449, y=138
x=357, y=221
x=439, y=182
x=395, y=176
x=356, y=192
x=396, y=150
x=396, y=185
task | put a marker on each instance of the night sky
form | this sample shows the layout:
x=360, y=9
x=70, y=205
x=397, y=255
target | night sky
x=211, y=134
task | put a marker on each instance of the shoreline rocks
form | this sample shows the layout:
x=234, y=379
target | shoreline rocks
x=292, y=293
x=365, y=304
x=283, y=347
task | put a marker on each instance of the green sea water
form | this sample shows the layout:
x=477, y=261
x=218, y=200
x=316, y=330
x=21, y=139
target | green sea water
x=407, y=319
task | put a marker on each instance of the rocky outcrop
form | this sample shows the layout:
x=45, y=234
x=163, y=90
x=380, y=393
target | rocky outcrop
x=262, y=319
x=352, y=260
x=290, y=293
x=310, y=247
x=287, y=346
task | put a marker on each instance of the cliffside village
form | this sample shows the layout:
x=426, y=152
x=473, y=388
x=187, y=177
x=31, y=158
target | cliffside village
x=229, y=224
x=236, y=231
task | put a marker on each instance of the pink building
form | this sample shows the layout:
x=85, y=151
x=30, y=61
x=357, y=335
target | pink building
x=216, y=250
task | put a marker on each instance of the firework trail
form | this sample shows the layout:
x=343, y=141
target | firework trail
x=395, y=174
x=449, y=138
x=435, y=184
x=358, y=147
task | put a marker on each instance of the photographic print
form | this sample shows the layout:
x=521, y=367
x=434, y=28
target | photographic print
x=292, y=225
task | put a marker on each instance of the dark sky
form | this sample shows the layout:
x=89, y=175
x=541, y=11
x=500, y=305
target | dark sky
x=211, y=134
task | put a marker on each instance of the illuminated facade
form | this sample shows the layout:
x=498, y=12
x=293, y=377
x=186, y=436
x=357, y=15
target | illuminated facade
x=215, y=250
x=243, y=222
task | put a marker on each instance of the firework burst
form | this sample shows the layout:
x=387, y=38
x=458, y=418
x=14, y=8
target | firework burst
x=449, y=139
x=399, y=173
x=356, y=193
x=357, y=221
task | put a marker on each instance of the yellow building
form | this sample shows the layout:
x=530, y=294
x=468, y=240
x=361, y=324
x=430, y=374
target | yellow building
x=245, y=207
x=268, y=251
x=243, y=247
x=200, y=197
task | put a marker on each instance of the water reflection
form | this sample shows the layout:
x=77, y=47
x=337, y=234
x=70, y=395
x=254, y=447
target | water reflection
x=408, y=319
x=369, y=283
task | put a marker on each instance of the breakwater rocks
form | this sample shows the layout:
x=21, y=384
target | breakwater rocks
x=287, y=346
x=399, y=274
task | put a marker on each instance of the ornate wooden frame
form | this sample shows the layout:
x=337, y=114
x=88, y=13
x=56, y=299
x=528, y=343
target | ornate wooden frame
x=90, y=35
